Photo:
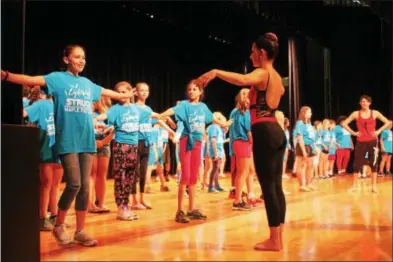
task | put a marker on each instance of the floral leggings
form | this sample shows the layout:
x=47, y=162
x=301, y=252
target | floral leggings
x=125, y=163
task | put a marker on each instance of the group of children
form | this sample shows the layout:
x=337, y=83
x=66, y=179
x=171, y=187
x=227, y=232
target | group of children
x=78, y=123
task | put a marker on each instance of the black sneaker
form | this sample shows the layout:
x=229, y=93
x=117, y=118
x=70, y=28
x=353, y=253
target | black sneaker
x=241, y=206
x=181, y=217
x=196, y=215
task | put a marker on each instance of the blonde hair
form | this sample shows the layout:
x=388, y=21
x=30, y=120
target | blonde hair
x=241, y=100
x=280, y=118
x=219, y=116
x=127, y=86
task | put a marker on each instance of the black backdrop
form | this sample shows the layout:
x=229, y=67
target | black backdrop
x=122, y=44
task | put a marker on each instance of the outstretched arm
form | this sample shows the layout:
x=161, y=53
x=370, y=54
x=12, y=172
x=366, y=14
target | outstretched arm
x=23, y=79
x=255, y=77
x=169, y=112
x=117, y=96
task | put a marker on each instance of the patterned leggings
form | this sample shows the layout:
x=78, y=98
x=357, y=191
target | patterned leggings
x=125, y=163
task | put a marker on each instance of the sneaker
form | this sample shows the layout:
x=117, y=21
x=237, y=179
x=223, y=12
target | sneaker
x=45, y=224
x=388, y=174
x=61, y=236
x=242, y=206
x=84, y=239
x=196, y=215
x=124, y=214
x=380, y=173
x=212, y=190
x=220, y=189
x=181, y=217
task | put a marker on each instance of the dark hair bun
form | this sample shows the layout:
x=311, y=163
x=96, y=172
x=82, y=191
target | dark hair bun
x=271, y=37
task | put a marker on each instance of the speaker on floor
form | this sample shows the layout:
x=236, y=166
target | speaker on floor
x=20, y=195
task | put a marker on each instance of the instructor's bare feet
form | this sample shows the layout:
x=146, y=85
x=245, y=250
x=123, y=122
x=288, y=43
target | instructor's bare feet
x=268, y=245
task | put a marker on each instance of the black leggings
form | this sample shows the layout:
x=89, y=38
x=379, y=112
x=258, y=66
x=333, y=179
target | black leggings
x=77, y=169
x=214, y=173
x=143, y=155
x=269, y=144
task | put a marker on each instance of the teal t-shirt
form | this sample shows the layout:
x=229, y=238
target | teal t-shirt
x=73, y=99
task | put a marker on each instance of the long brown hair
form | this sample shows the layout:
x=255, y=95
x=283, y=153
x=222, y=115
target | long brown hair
x=35, y=93
x=302, y=114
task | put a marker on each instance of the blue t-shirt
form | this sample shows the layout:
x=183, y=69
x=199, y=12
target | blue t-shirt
x=41, y=113
x=216, y=132
x=125, y=119
x=164, y=135
x=156, y=139
x=145, y=123
x=240, y=126
x=194, y=117
x=99, y=132
x=343, y=137
x=333, y=146
x=386, y=137
x=73, y=100
x=25, y=102
x=307, y=131
x=326, y=137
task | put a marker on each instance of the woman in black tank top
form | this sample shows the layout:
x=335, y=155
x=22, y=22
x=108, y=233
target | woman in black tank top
x=269, y=139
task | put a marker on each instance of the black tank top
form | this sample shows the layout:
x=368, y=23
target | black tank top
x=258, y=105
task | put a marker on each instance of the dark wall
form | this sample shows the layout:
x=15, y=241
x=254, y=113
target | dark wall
x=361, y=63
x=122, y=44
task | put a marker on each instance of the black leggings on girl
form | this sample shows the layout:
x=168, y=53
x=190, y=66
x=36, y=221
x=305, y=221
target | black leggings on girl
x=143, y=155
x=269, y=143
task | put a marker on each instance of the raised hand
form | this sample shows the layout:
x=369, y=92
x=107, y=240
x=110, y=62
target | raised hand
x=204, y=79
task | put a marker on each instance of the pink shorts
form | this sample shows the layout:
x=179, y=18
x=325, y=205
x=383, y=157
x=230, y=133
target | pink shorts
x=241, y=148
x=190, y=162
x=332, y=157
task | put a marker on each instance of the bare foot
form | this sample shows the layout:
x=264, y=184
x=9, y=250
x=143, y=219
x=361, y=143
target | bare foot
x=268, y=245
x=374, y=190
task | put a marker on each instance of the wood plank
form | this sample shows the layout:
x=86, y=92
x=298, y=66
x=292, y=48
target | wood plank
x=329, y=224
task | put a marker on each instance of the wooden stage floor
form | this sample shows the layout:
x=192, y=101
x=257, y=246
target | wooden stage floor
x=328, y=224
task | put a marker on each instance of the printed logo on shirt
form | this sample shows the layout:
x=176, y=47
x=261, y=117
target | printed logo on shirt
x=345, y=132
x=311, y=132
x=145, y=127
x=78, y=100
x=50, y=125
x=197, y=122
x=130, y=123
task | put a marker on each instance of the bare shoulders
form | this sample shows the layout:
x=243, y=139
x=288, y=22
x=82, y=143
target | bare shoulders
x=272, y=78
